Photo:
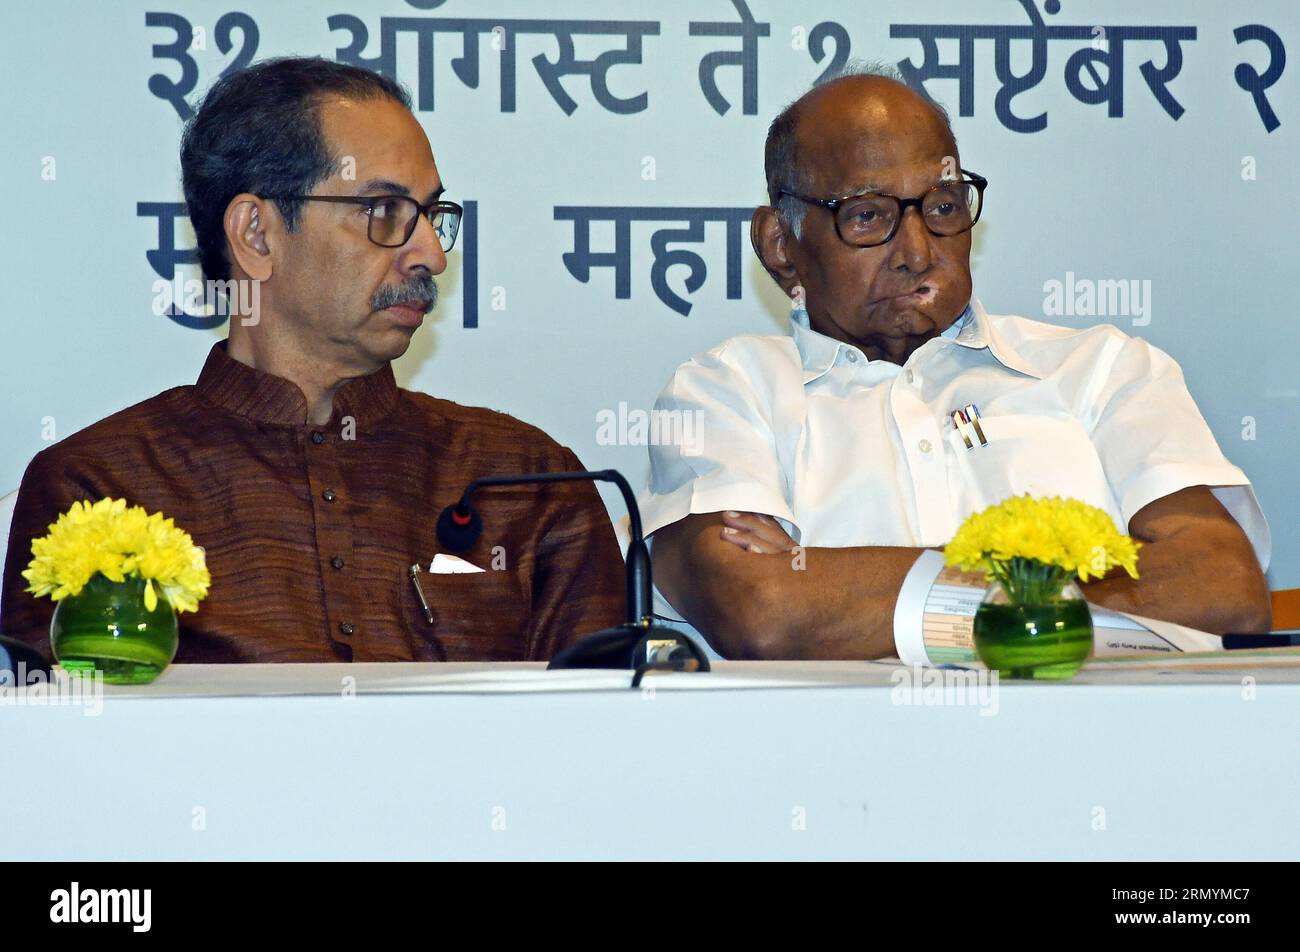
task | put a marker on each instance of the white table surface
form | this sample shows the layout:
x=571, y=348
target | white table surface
x=1173, y=759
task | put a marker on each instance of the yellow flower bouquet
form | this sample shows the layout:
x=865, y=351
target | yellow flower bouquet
x=1034, y=547
x=1034, y=621
x=119, y=575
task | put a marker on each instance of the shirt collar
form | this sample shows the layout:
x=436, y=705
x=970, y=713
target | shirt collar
x=972, y=329
x=959, y=325
x=265, y=398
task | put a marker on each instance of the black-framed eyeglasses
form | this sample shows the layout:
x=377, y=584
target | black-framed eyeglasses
x=391, y=219
x=947, y=209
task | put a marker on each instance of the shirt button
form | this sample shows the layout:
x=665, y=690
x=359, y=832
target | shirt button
x=909, y=376
x=924, y=446
x=318, y=437
x=328, y=495
x=337, y=562
x=853, y=357
x=347, y=628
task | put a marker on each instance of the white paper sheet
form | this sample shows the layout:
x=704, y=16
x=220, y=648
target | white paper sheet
x=935, y=615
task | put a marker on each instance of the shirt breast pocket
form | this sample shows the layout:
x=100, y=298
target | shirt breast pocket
x=477, y=616
x=1037, y=455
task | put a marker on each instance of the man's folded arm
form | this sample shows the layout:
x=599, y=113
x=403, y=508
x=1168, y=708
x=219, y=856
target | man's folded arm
x=815, y=603
x=1196, y=568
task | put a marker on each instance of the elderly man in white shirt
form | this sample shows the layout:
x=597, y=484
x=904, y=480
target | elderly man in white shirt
x=838, y=439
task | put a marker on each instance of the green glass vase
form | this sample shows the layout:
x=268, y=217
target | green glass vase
x=1048, y=639
x=107, y=626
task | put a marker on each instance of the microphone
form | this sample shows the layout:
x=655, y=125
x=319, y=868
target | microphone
x=637, y=644
x=459, y=526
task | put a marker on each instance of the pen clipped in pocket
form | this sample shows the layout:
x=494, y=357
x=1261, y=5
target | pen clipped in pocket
x=1038, y=455
x=477, y=615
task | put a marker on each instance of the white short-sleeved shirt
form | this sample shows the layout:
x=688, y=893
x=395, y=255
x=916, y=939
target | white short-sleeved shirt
x=847, y=451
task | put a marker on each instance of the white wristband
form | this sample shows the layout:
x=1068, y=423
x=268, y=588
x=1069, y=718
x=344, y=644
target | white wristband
x=909, y=610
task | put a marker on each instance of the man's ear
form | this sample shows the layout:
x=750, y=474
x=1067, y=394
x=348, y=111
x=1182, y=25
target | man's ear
x=248, y=222
x=771, y=243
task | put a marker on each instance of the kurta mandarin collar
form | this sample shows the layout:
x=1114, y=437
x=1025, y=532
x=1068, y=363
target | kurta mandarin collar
x=265, y=398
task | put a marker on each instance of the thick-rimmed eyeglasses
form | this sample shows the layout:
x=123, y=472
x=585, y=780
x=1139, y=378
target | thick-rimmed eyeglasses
x=947, y=209
x=391, y=219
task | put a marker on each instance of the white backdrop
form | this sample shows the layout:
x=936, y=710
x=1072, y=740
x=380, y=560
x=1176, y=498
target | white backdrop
x=1204, y=207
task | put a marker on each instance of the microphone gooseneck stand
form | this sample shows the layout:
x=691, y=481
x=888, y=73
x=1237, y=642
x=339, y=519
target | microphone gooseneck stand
x=638, y=643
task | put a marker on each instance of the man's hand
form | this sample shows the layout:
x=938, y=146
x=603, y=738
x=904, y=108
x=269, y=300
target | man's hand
x=732, y=576
x=755, y=532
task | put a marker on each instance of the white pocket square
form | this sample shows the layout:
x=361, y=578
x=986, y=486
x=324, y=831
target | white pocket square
x=451, y=565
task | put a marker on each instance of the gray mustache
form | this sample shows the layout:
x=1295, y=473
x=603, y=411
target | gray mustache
x=422, y=290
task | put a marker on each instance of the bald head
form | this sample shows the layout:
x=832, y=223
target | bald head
x=861, y=113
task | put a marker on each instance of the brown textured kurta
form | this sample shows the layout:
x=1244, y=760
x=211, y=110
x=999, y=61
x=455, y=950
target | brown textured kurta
x=310, y=531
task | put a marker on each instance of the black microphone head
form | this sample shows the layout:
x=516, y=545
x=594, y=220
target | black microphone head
x=459, y=527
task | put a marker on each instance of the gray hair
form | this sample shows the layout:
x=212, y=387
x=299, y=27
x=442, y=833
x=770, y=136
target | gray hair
x=781, y=160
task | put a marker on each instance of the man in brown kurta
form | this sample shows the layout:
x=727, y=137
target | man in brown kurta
x=311, y=480
x=310, y=536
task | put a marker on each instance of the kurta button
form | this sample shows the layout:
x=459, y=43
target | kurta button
x=909, y=376
x=924, y=446
x=336, y=562
x=347, y=628
x=318, y=437
x=328, y=495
